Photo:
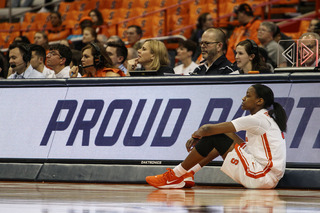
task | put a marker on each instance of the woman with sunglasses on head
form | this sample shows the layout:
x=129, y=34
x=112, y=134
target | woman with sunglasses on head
x=248, y=59
x=153, y=55
x=96, y=63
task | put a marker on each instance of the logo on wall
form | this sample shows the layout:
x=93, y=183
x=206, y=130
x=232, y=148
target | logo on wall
x=299, y=53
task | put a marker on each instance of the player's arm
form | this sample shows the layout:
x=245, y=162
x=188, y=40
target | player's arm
x=214, y=129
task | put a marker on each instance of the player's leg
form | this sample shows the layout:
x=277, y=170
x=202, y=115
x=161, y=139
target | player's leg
x=174, y=178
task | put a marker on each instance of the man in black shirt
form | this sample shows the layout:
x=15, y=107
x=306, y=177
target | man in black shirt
x=213, y=46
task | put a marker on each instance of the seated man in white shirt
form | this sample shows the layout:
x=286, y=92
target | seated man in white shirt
x=19, y=60
x=58, y=59
x=185, y=52
x=38, y=60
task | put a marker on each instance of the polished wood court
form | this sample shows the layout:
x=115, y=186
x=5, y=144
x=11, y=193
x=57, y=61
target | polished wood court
x=33, y=197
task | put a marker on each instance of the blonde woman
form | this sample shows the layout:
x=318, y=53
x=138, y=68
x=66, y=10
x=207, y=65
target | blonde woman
x=153, y=55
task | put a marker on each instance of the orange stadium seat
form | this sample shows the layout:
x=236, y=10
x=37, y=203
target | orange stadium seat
x=42, y=21
x=304, y=25
x=108, y=4
x=129, y=4
x=84, y=5
x=8, y=38
x=12, y=27
x=176, y=22
x=158, y=27
x=29, y=35
x=110, y=16
x=65, y=7
x=30, y=17
x=195, y=11
x=110, y=19
x=148, y=4
x=3, y=4
x=129, y=13
x=178, y=10
x=26, y=27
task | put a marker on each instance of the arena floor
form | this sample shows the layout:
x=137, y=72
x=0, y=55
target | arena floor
x=31, y=197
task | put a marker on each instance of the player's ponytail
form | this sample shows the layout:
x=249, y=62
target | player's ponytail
x=279, y=116
x=277, y=113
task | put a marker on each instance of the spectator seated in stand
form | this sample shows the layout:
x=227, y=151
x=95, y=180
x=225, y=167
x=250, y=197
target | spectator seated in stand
x=153, y=56
x=213, y=45
x=41, y=38
x=134, y=34
x=247, y=29
x=59, y=59
x=266, y=33
x=314, y=26
x=97, y=20
x=57, y=30
x=248, y=59
x=19, y=60
x=38, y=59
x=185, y=52
x=309, y=40
x=118, y=53
x=96, y=63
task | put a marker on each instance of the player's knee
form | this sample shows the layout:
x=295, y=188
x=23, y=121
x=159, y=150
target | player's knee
x=220, y=142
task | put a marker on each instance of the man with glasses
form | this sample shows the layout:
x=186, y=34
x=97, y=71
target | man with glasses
x=213, y=42
x=58, y=59
x=266, y=33
x=19, y=60
x=311, y=41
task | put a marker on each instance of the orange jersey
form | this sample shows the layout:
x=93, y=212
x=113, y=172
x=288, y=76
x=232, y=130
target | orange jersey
x=241, y=33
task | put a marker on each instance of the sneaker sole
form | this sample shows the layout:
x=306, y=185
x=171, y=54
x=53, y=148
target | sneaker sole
x=189, y=182
x=172, y=186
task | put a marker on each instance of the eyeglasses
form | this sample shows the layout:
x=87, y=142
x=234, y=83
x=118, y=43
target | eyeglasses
x=53, y=53
x=206, y=43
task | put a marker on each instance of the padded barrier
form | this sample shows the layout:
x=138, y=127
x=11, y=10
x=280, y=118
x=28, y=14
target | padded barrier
x=125, y=173
x=100, y=173
x=19, y=171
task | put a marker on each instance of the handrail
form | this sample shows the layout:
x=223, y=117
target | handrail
x=33, y=8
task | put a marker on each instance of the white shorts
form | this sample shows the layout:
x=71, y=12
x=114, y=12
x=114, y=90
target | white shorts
x=250, y=175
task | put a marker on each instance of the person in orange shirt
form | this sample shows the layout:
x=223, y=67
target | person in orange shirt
x=96, y=63
x=57, y=31
x=248, y=29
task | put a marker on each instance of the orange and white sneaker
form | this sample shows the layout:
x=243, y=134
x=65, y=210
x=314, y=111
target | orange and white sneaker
x=188, y=178
x=166, y=181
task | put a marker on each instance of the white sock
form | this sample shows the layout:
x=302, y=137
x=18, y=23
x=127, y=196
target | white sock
x=196, y=168
x=179, y=170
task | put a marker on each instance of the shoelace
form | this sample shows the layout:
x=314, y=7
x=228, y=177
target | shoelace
x=169, y=174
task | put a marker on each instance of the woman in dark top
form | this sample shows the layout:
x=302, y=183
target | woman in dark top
x=153, y=55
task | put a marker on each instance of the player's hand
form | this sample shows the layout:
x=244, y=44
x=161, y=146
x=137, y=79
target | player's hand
x=191, y=143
